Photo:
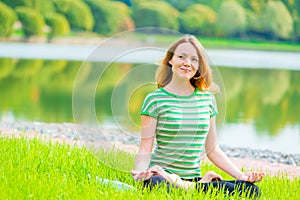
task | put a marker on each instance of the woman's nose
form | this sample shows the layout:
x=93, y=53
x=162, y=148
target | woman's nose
x=187, y=62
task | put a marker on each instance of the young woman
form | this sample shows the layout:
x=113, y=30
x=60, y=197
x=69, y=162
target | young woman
x=180, y=114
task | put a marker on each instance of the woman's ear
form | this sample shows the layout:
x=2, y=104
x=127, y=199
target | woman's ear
x=170, y=62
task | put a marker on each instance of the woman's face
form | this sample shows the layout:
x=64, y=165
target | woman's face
x=185, y=61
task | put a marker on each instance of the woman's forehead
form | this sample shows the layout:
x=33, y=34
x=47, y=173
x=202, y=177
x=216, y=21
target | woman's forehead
x=186, y=48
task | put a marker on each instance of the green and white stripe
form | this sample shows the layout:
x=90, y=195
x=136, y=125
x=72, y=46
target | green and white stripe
x=182, y=126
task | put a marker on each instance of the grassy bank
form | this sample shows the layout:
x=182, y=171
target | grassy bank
x=31, y=169
x=166, y=40
x=223, y=43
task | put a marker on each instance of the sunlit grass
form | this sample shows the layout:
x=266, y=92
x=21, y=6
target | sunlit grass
x=32, y=169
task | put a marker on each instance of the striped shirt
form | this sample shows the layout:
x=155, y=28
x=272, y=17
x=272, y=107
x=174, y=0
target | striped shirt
x=182, y=126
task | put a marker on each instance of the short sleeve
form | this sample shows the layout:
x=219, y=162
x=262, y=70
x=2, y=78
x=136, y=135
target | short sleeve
x=149, y=106
x=213, y=107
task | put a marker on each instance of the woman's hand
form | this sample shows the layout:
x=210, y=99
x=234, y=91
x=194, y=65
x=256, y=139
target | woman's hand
x=252, y=177
x=141, y=175
x=211, y=176
x=171, y=178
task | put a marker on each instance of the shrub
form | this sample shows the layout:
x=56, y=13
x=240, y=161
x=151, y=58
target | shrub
x=77, y=12
x=197, y=19
x=41, y=6
x=276, y=20
x=58, y=24
x=31, y=20
x=231, y=19
x=110, y=17
x=156, y=14
x=7, y=20
x=14, y=3
x=297, y=29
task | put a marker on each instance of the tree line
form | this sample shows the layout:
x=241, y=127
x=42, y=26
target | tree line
x=254, y=19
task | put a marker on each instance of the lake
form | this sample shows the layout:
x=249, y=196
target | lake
x=259, y=106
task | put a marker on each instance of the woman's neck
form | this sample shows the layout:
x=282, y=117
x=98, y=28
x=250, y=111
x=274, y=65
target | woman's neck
x=180, y=87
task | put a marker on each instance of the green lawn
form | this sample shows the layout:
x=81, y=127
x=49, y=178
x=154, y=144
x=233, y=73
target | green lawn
x=32, y=169
x=223, y=43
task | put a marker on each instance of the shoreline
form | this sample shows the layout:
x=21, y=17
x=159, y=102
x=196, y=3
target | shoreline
x=133, y=51
x=274, y=163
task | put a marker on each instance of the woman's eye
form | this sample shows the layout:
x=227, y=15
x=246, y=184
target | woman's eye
x=181, y=57
x=195, y=60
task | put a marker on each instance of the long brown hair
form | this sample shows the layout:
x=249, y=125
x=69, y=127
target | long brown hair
x=202, y=78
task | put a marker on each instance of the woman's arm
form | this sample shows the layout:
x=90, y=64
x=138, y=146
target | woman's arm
x=221, y=160
x=144, y=154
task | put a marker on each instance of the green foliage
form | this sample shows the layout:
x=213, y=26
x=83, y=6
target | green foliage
x=110, y=17
x=14, y=3
x=156, y=14
x=7, y=20
x=183, y=5
x=32, y=21
x=198, y=19
x=58, y=24
x=41, y=6
x=255, y=5
x=231, y=19
x=77, y=12
x=297, y=28
x=253, y=23
x=277, y=20
x=7, y=66
x=27, y=68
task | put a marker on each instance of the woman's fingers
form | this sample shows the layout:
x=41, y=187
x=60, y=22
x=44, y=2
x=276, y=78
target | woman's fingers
x=253, y=176
x=141, y=175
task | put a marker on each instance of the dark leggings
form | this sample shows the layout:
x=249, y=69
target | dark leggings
x=229, y=187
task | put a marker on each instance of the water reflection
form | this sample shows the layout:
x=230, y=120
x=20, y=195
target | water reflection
x=41, y=90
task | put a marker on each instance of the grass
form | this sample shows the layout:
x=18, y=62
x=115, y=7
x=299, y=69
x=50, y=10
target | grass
x=33, y=169
x=219, y=43
x=226, y=43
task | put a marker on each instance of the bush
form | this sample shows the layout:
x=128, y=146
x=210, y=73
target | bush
x=276, y=20
x=297, y=29
x=156, y=14
x=231, y=19
x=198, y=19
x=110, y=17
x=77, y=12
x=7, y=20
x=58, y=24
x=41, y=6
x=14, y=3
x=32, y=22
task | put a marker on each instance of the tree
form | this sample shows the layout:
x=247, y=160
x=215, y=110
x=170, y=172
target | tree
x=32, y=21
x=276, y=20
x=7, y=20
x=198, y=19
x=255, y=5
x=58, y=24
x=41, y=6
x=77, y=12
x=110, y=17
x=155, y=14
x=231, y=19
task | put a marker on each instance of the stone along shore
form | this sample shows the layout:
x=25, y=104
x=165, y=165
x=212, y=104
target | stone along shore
x=71, y=132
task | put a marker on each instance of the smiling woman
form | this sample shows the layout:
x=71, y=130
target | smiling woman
x=180, y=115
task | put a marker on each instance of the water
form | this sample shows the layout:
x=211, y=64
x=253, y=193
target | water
x=260, y=107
